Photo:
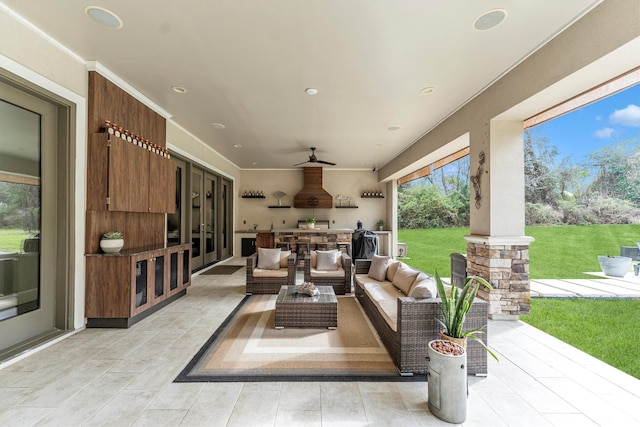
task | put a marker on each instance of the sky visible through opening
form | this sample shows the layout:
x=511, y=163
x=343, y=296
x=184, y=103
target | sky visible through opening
x=609, y=121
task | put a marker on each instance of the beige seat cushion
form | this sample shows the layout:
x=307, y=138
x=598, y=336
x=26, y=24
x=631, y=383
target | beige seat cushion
x=258, y=272
x=339, y=273
x=385, y=297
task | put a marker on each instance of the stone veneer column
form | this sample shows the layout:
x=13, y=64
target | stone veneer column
x=503, y=262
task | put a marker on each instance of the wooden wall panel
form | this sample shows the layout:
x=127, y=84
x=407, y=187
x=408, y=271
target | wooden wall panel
x=108, y=102
x=139, y=229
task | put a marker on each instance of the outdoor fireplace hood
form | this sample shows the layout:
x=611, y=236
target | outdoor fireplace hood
x=312, y=194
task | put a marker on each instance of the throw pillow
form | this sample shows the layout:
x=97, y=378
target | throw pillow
x=378, y=268
x=327, y=260
x=314, y=259
x=269, y=259
x=424, y=287
x=284, y=259
x=404, y=278
x=392, y=267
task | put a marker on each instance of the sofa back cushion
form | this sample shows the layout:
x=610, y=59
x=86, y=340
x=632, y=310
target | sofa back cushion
x=404, y=278
x=392, y=267
x=327, y=260
x=284, y=258
x=424, y=287
x=269, y=259
x=378, y=268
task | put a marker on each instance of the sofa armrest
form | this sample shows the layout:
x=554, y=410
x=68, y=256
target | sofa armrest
x=362, y=266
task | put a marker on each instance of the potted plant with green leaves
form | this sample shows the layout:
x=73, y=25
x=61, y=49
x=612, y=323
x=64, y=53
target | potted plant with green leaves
x=380, y=225
x=311, y=222
x=454, y=308
x=447, y=357
x=112, y=242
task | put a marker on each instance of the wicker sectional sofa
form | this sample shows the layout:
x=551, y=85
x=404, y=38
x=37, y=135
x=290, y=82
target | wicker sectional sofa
x=406, y=324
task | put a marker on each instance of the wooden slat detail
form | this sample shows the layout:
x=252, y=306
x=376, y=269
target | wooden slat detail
x=420, y=173
x=610, y=87
x=451, y=158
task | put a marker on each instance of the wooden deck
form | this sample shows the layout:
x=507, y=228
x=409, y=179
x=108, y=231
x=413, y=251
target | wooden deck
x=627, y=287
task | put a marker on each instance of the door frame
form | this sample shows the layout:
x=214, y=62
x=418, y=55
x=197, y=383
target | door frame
x=67, y=314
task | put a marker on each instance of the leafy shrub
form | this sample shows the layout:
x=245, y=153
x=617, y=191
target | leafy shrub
x=540, y=214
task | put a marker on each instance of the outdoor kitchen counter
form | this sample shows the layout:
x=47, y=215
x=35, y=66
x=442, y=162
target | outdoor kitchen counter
x=314, y=230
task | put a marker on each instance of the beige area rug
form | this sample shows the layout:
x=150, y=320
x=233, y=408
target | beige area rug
x=247, y=347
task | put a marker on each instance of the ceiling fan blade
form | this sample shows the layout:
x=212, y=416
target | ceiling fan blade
x=326, y=163
x=298, y=164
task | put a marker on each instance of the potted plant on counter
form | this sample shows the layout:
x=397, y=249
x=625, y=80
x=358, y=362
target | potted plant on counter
x=311, y=222
x=380, y=225
x=112, y=242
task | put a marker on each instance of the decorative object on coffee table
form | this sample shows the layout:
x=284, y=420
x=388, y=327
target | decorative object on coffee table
x=307, y=288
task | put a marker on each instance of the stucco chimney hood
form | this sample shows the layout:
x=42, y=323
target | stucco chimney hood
x=312, y=194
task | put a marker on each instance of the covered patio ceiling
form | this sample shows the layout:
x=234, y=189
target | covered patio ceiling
x=386, y=72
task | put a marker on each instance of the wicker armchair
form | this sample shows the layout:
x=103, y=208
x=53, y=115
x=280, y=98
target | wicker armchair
x=269, y=281
x=340, y=279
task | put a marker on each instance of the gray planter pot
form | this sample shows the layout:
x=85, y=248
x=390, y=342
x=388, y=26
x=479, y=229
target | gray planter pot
x=616, y=266
x=447, y=385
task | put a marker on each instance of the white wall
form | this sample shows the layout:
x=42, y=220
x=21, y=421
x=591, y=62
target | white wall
x=345, y=182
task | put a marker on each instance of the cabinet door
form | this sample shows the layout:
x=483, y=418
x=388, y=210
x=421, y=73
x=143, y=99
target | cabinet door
x=128, y=177
x=141, y=294
x=162, y=185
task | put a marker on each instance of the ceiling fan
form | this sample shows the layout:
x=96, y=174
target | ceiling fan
x=314, y=159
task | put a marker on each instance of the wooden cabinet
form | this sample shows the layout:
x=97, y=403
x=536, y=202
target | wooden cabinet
x=124, y=288
x=264, y=240
x=124, y=177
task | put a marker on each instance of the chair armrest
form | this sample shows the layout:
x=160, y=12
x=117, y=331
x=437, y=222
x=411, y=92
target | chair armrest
x=292, y=265
x=307, y=267
x=252, y=263
x=346, y=264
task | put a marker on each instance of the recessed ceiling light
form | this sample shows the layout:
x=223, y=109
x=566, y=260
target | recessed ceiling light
x=237, y=145
x=311, y=91
x=394, y=127
x=427, y=90
x=218, y=125
x=490, y=19
x=178, y=89
x=254, y=163
x=378, y=145
x=104, y=17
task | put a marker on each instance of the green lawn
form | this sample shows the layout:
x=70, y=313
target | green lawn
x=11, y=239
x=606, y=329
x=561, y=252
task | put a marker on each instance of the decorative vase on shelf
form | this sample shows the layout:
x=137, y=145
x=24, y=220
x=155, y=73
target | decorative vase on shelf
x=111, y=242
x=616, y=266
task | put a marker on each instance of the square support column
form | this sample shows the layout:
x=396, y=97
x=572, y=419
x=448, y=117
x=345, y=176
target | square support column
x=503, y=262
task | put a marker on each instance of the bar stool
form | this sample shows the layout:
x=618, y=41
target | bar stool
x=323, y=246
x=302, y=248
x=283, y=246
x=344, y=245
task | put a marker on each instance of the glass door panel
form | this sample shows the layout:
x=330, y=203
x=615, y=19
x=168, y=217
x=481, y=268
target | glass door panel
x=141, y=282
x=197, y=217
x=173, y=271
x=210, y=220
x=159, y=277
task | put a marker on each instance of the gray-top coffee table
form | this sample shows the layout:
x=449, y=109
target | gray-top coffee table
x=302, y=311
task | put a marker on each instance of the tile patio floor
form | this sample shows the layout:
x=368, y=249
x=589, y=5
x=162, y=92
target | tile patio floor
x=124, y=377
